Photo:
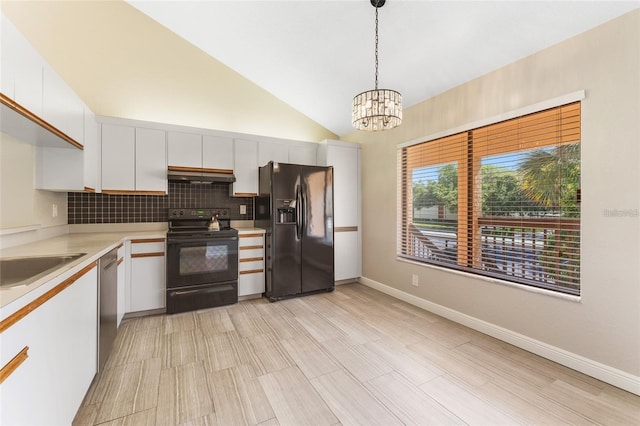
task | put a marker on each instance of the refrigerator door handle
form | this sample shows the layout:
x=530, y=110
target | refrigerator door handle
x=298, y=212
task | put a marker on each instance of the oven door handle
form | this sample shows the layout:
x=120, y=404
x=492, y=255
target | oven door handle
x=199, y=240
x=212, y=289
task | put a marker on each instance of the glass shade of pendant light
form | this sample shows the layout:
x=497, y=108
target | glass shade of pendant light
x=377, y=109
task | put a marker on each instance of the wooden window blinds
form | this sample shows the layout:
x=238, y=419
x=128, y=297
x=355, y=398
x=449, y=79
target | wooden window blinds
x=502, y=200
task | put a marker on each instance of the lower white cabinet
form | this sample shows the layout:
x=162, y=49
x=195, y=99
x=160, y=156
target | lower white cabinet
x=251, y=262
x=147, y=281
x=57, y=343
x=347, y=261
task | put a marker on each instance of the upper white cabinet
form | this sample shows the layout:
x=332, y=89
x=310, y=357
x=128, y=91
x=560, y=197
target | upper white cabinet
x=272, y=151
x=198, y=151
x=217, y=153
x=304, y=153
x=133, y=160
x=345, y=159
x=184, y=149
x=118, y=158
x=61, y=107
x=245, y=167
x=91, y=158
x=151, y=160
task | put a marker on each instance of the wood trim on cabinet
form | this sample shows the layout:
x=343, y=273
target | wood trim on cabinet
x=252, y=259
x=250, y=235
x=251, y=247
x=245, y=194
x=253, y=271
x=12, y=365
x=199, y=170
x=147, y=240
x=10, y=103
x=132, y=192
x=89, y=189
x=120, y=261
x=345, y=229
x=154, y=254
x=27, y=309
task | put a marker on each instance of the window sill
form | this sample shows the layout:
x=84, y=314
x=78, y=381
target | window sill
x=568, y=297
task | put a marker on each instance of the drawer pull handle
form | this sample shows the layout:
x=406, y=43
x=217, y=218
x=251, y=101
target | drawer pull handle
x=15, y=362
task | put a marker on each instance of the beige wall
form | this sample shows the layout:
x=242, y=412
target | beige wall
x=605, y=325
x=126, y=65
x=21, y=204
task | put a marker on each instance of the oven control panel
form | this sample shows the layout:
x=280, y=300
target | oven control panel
x=196, y=214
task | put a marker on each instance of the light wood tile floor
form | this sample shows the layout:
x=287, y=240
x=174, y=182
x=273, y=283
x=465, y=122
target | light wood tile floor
x=354, y=356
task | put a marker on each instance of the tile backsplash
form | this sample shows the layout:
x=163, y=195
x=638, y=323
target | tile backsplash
x=106, y=208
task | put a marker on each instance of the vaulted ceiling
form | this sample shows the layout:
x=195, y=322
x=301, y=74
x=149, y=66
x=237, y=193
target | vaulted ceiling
x=312, y=56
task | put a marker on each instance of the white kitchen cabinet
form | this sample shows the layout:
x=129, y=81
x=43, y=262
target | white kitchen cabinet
x=122, y=284
x=60, y=340
x=151, y=161
x=118, y=158
x=245, y=168
x=347, y=251
x=147, y=281
x=251, y=262
x=23, y=67
x=59, y=169
x=303, y=154
x=133, y=160
x=91, y=161
x=61, y=107
x=217, y=153
x=272, y=151
x=184, y=149
x=345, y=159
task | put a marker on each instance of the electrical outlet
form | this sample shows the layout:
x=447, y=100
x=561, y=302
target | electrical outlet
x=414, y=280
x=243, y=209
x=54, y=211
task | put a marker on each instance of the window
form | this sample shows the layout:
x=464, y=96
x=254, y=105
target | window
x=502, y=200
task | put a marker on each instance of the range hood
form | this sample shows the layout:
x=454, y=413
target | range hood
x=200, y=176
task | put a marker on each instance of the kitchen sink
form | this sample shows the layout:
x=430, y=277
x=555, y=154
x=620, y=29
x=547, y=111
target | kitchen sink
x=15, y=271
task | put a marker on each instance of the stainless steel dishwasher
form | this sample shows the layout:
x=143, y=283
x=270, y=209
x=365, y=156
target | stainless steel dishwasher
x=107, y=305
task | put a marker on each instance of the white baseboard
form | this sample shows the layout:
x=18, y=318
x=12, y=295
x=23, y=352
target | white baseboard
x=577, y=362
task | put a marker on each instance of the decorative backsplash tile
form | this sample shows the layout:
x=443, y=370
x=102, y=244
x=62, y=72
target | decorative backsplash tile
x=106, y=208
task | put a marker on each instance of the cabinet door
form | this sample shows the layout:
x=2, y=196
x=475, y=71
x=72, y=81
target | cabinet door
x=271, y=151
x=9, y=46
x=118, y=158
x=147, y=282
x=27, y=67
x=184, y=149
x=245, y=167
x=61, y=335
x=346, y=183
x=217, y=153
x=60, y=105
x=151, y=160
x=59, y=169
x=303, y=154
x=91, y=159
x=347, y=250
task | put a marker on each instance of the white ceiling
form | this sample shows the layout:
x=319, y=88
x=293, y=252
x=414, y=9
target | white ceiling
x=316, y=55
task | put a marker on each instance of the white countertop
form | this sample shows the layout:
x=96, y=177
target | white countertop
x=94, y=244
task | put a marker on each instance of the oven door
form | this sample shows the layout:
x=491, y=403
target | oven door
x=201, y=260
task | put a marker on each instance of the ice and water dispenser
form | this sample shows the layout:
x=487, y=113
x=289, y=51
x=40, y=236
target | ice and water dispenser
x=286, y=211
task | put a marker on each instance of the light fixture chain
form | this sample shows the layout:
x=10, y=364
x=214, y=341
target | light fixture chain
x=376, y=48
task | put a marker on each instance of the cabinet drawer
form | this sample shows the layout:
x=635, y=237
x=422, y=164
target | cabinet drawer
x=251, y=240
x=251, y=265
x=251, y=251
x=147, y=246
x=251, y=284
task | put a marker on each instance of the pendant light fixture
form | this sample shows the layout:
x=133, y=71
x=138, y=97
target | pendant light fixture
x=377, y=109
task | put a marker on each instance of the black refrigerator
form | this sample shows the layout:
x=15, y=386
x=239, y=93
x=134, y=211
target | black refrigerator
x=295, y=207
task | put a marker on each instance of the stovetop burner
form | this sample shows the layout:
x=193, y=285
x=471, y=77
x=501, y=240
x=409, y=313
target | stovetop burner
x=189, y=222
